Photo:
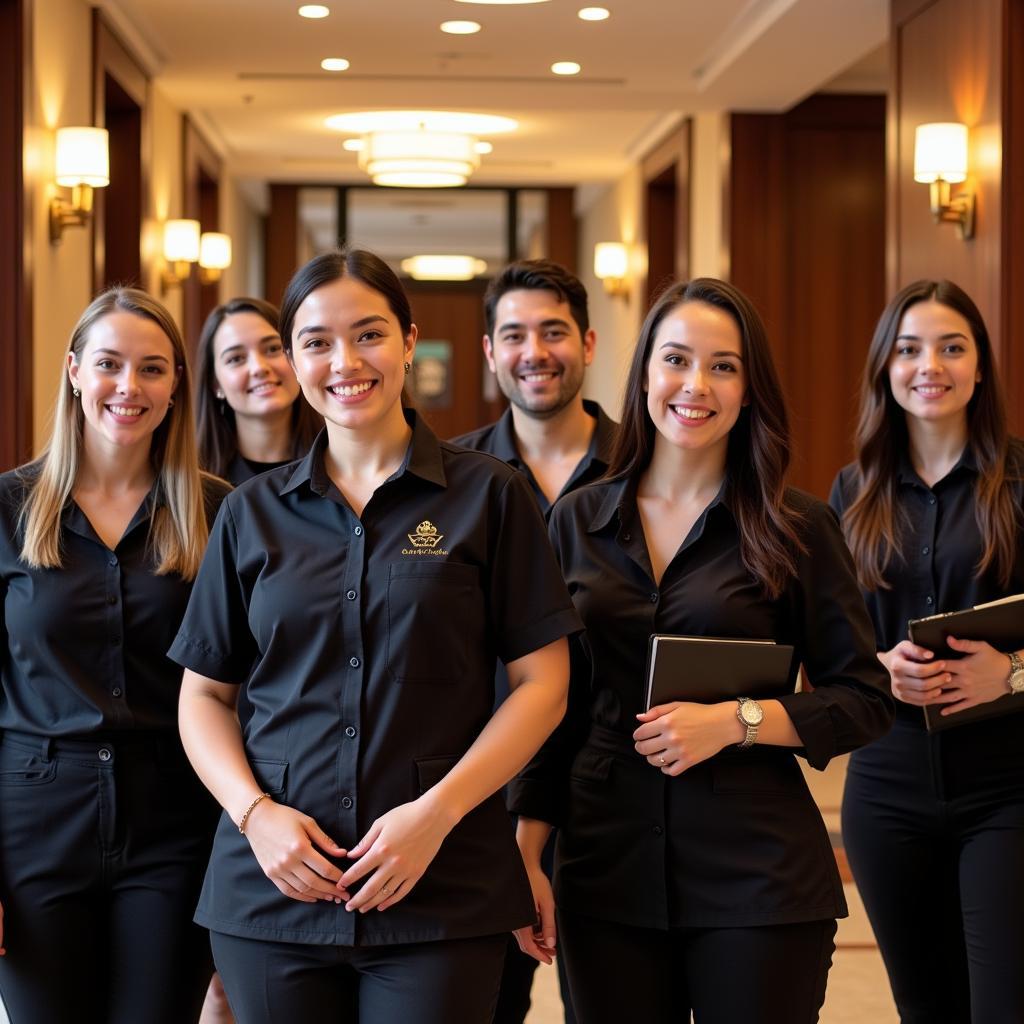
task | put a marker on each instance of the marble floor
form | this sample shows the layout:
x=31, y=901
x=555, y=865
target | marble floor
x=858, y=990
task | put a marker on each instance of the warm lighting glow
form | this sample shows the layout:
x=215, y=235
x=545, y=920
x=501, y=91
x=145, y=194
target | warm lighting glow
x=435, y=159
x=460, y=28
x=501, y=2
x=483, y=148
x=82, y=157
x=611, y=265
x=443, y=268
x=334, y=64
x=419, y=179
x=565, y=67
x=593, y=14
x=413, y=120
x=314, y=11
x=181, y=241
x=215, y=250
x=940, y=152
x=352, y=145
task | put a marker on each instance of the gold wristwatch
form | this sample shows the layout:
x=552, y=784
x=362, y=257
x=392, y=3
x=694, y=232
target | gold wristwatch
x=1015, y=680
x=750, y=714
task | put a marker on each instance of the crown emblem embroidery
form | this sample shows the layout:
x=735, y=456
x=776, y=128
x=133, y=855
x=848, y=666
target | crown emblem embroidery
x=426, y=535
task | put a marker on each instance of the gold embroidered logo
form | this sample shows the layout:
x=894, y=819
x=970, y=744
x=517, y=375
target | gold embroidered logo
x=425, y=540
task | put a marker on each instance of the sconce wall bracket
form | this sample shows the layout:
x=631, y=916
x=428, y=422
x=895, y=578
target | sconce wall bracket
x=959, y=209
x=65, y=214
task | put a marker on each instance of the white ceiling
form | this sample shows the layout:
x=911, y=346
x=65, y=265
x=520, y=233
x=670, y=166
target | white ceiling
x=248, y=70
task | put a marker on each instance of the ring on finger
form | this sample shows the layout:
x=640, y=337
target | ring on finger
x=661, y=760
x=385, y=890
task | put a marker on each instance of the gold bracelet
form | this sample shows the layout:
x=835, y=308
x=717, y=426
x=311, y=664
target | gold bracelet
x=248, y=811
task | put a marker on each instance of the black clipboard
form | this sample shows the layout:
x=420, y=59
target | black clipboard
x=706, y=670
x=999, y=623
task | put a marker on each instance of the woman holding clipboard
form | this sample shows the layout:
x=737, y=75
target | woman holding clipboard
x=700, y=871
x=932, y=508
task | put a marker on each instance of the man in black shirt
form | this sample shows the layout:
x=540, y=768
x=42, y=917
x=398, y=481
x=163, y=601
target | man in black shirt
x=538, y=344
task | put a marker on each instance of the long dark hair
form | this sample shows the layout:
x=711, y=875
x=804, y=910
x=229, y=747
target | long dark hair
x=872, y=521
x=359, y=264
x=216, y=429
x=759, y=444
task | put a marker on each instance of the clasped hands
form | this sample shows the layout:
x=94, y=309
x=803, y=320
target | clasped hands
x=976, y=678
x=390, y=859
x=679, y=735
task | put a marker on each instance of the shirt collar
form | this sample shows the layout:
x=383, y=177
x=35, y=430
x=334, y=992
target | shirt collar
x=906, y=474
x=621, y=498
x=601, y=442
x=75, y=520
x=423, y=458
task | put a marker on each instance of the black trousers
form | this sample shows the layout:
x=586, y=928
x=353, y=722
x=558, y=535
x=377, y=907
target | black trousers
x=773, y=974
x=939, y=862
x=452, y=981
x=103, y=845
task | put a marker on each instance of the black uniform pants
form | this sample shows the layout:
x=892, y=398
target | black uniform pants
x=773, y=974
x=939, y=863
x=453, y=981
x=103, y=846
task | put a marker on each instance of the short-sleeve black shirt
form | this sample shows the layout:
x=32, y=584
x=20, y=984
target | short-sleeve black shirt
x=82, y=646
x=367, y=648
x=499, y=439
x=736, y=840
x=941, y=546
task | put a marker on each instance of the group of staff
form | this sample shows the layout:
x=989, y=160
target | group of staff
x=339, y=617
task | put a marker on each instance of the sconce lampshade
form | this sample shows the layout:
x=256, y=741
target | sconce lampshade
x=82, y=157
x=181, y=241
x=611, y=259
x=940, y=152
x=214, y=251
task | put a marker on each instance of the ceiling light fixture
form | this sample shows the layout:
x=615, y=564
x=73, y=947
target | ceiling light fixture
x=460, y=28
x=483, y=148
x=422, y=158
x=565, y=67
x=314, y=11
x=443, y=268
x=352, y=145
x=413, y=120
x=334, y=64
x=593, y=14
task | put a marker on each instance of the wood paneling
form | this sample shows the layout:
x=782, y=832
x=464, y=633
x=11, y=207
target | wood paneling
x=560, y=228
x=201, y=167
x=665, y=227
x=807, y=242
x=15, y=249
x=281, y=244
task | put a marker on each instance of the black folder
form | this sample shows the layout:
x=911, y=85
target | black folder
x=706, y=670
x=999, y=623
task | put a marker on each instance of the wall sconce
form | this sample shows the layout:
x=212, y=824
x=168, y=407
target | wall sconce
x=82, y=163
x=940, y=160
x=181, y=250
x=611, y=264
x=214, y=255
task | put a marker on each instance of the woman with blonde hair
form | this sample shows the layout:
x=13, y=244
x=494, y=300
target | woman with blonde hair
x=104, y=829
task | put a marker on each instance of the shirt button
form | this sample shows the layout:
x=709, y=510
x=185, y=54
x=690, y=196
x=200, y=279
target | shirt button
x=925, y=550
x=104, y=754
x=116, y=691
x=111, y=599
x=351, y=595
x=658, y=830
x=354, y=661
x=627, y=536
x=346, y=802
x=358, y=531
x=113, y=559
x=350, y=732
x=931, y=500
x=928, y=600
x=654, y=597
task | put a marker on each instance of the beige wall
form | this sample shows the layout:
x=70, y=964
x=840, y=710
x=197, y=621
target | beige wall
x=245, y=225
x=709, y=250
x=165, y=192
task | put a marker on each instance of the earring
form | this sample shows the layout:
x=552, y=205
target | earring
x=76, y=392
x=219, y=394
x=408, y=367
x=170, y=402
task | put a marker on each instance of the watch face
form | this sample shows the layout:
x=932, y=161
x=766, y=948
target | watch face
x=752, y=713
x=1017, y=682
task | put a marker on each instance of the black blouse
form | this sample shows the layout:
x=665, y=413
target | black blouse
x=941, y=546
x=82, y=646
x=367, y=648
x=499, y=439
x=736, y=840
x=241, y=469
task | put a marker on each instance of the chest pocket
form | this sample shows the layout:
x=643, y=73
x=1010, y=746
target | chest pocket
x=435, y=618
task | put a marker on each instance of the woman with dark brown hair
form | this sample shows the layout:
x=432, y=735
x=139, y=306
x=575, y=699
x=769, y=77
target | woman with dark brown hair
x=932, y=508
x=691, y=859
x=250, y=414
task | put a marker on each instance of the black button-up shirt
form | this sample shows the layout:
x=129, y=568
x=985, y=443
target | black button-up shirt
x=241, y=469
x=82, y=646
x=499, y=438
x=367, y=648
x=941, y=546
x=736, y=840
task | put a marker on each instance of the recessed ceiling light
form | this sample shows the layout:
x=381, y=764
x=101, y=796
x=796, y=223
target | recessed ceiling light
x=314, y=11
x=413, y=120
x=352, y=145
x=565, y=67
x=484, y=147
x=593, y=13
x=334, y=64
x=460, y=28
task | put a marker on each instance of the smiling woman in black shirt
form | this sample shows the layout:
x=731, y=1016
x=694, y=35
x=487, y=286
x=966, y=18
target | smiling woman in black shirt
x=104, y=828
x=934, y=512
x=691, y=875
x=361, y=597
